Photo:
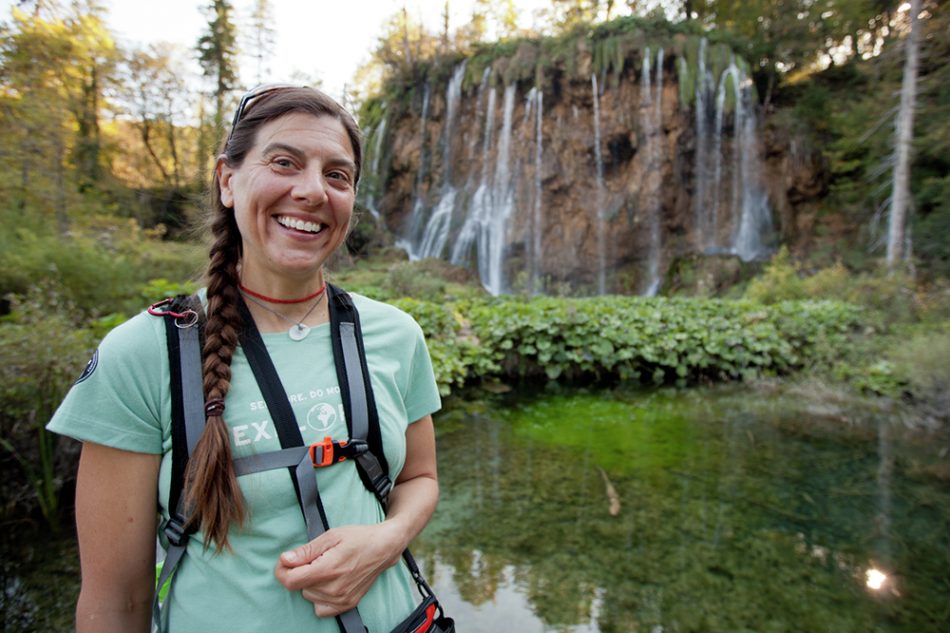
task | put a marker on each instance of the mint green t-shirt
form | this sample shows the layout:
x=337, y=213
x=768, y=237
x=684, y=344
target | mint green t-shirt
x=123, y=401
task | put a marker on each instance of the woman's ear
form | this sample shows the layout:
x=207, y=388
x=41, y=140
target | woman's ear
x=224, y=173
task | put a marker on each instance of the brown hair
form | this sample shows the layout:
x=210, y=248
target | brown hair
x=211, y=486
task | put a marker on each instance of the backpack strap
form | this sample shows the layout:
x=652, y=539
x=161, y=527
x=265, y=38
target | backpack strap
x=183, y=320
x=360, y=407
x=356, y=391
x=364, y=445
x=288, y=432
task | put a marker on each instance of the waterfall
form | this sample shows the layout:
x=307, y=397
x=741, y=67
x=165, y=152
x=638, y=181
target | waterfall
x=712, y=223
x=755, y=230
x=735, y=162
x=536, y=226
x=651, y=118
x=475, y=194
x=701, y=158
x=373, y=186
x=481, y=202
x=436, y=231
x=492, y=205
x=601, y=220
x=492, y=250
x=407, y=242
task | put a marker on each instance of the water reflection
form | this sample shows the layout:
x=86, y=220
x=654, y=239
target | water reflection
x=739, y=511
x=735, y=514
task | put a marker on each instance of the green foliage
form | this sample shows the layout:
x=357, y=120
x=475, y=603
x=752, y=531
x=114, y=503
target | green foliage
x=100, y=269
x=922, y=367
x=410, y=279
x=778, y=282
x=645, y=340
x=41, y=353
x=217, y=53
x=889, y=295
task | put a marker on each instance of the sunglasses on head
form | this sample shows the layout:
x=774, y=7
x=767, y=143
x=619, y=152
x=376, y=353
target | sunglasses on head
x=254, y=93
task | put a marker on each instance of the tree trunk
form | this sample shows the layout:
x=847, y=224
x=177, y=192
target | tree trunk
x=900, y=194
x=405, y=35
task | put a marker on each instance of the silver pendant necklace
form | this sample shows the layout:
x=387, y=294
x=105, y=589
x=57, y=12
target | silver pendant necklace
x=298, y=331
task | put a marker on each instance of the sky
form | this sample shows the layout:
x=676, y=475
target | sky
x=320, y=39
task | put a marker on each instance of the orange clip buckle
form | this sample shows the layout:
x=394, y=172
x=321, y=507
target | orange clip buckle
x=327, y=454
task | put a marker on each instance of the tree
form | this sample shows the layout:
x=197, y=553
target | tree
x=155, y=93
x=900, y=193
x=217, y=54
x=262, y=36
x=95, y=58
x=54, y=70
x=566, y=14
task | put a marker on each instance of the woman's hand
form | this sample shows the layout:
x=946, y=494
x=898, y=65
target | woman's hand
x=335, y=570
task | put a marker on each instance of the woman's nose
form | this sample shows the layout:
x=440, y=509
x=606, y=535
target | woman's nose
x=311, y=189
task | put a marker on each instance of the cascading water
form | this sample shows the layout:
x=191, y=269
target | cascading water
x=651, y=116
x=480, y=207
x=536, y=227
x=436, y=231
x=479, y=199
x=751, y=240
x=373, y=186
x=735, y=162
x=601, y=222
x=407, y=243
x=493, y=203
x=704, y=83
x=492, y=239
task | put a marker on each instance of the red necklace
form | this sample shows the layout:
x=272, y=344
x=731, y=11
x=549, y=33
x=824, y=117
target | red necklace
x=273, y=300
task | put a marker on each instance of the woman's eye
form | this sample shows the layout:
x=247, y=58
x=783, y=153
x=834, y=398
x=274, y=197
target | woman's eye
x=283, y=162
x=339, y=175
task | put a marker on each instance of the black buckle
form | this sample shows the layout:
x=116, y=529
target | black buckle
x=175, y=531
x=383, y=485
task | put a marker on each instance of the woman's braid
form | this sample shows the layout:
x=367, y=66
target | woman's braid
x=212, y=486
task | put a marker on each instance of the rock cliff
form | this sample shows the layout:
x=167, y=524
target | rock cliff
x=589, y=169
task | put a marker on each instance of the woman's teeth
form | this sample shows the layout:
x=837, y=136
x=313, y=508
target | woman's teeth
x=300, y=225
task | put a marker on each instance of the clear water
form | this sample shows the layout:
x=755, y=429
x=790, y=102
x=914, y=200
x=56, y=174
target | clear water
x=731, y=510
x=737, y=512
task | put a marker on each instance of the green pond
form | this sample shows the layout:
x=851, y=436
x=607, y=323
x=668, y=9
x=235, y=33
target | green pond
x=723, y=509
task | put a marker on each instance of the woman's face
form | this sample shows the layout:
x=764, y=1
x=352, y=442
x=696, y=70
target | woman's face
x=292, y=198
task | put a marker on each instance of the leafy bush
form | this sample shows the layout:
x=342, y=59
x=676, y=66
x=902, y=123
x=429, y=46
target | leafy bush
x=891, y=294
x=98, y=269
x=646, y=340
x=778, y=282
x=922, y=365
x=411, y=279
x=41, y=354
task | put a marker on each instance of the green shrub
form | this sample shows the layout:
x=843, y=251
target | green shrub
x=412, y=279
x=778, y=282
x=41, y=354
x=98, y=269
x=922, y=363
x=647, y=340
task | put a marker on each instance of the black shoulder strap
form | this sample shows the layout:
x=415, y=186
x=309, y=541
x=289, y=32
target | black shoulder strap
x=359, y=406
x=183, y=320
x=356, y=391
x=187, y=389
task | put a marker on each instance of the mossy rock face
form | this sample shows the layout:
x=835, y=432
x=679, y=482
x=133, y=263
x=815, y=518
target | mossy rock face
x=705, y=275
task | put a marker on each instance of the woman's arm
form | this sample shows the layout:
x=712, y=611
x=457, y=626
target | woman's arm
x=116, y=501
x=335, y=570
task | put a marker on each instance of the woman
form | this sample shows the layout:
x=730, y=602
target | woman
x=283, y=192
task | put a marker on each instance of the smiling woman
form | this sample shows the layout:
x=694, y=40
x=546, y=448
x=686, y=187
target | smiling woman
x=350, y=381
x=292, y=198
